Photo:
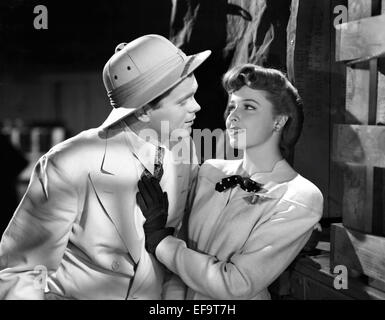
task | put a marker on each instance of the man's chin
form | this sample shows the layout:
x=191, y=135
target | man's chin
x=180, y=133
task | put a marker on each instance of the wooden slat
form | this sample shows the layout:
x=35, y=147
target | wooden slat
x=360, y=151
x=362, y=252
x=358, y=9
x=381, y=97
x=315, y=280
x=357, y=202
x=361, y=209
x=381, y=85
x=360, y=38
x=357, y=96
x=359, y=145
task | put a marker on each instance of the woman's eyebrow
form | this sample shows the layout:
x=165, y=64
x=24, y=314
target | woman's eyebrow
x=250, y=100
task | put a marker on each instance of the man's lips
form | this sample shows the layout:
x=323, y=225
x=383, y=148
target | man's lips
x=190, y=121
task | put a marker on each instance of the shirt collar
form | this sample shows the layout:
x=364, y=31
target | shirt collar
x=281, y=172
x=143, y=150
x=275, y=180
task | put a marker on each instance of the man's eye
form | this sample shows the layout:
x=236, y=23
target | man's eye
x=184, y=102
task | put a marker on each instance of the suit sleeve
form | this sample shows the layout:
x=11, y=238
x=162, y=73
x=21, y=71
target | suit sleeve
x=37, y=235
x=174, y=288
x=270, y=248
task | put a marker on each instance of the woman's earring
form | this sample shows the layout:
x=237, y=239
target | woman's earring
x=277, y=128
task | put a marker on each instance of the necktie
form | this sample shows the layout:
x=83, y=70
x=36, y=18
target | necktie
x=245, y=183
x=158, y=165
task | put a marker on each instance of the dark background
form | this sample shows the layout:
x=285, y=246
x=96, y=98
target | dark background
x=53, y=78
x=80, y=34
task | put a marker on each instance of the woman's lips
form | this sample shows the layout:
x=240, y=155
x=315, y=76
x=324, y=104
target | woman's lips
x=235, y=130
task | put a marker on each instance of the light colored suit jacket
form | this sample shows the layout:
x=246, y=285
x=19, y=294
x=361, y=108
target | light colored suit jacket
x=79, y=221
x=237, y=248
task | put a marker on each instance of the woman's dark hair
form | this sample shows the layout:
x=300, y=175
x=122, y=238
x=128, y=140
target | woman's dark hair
x=281, y=93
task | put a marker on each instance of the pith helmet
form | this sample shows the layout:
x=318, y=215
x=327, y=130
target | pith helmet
x=142, y=70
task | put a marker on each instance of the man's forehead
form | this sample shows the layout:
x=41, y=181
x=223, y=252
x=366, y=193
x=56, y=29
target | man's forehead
x=188, y=85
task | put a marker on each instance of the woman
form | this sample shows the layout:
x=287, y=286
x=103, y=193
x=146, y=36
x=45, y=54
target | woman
x=249, y=218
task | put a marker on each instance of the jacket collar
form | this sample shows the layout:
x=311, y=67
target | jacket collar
x=274, y=181
x=144, y=151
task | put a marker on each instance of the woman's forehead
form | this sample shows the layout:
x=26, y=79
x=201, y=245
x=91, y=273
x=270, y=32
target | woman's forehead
x=245, y=93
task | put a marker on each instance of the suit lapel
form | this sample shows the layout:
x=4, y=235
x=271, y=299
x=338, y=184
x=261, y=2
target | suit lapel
x=116, y=187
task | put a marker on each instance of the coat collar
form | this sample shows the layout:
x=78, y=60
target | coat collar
x=115, y=183
x=144, y=151
x=274, y=181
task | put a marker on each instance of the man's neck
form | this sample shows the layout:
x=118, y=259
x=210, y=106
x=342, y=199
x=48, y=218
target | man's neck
x=137, y=127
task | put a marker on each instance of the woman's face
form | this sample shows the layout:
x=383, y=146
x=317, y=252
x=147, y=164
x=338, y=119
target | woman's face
x=251, y=118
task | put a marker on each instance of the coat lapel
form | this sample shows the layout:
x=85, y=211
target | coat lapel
x=116, y=187
x=116, y=182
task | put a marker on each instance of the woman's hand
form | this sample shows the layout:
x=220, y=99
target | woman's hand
x=154, y=205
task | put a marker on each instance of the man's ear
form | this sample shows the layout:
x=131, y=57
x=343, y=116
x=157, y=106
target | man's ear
x=143, y=114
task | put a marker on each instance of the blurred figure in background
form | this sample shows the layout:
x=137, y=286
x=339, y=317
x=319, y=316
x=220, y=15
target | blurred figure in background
x=12, y=163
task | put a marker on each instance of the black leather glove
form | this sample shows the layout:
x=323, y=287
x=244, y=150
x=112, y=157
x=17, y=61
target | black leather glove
x=154, y=205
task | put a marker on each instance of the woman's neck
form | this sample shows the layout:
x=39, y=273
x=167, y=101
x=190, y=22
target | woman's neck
x=261, y=158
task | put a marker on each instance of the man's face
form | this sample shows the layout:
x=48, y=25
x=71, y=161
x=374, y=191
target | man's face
x=177, y=109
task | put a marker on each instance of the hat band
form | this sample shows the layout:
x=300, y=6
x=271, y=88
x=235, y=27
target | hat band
x=120, y=95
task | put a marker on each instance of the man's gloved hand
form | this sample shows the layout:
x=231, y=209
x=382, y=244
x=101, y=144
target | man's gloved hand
x=154, y=205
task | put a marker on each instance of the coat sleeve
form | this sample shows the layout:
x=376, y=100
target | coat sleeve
x=37, y=235
x=174, y=288
x=269, y=250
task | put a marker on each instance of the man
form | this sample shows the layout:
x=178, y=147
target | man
x=78, y=221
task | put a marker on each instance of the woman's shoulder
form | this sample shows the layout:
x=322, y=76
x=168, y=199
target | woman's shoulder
x=302, y=191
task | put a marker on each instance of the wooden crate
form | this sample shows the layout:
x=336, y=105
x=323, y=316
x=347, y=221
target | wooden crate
x=360, y=252
x=358, y=145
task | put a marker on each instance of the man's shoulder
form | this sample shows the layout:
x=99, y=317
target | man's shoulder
x=85, y=139
x=78, y=149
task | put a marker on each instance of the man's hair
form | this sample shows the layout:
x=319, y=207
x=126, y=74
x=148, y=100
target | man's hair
x=280, y=92
x=152, y=105
x=155, y=103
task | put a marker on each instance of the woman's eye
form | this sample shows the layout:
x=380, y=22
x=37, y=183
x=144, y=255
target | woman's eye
x=230, y=108
x=249, y=107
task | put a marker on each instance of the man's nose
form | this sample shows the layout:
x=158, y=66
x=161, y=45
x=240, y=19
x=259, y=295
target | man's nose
x=194, y=107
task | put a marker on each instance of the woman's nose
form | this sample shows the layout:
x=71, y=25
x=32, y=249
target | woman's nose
x=234, y=115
